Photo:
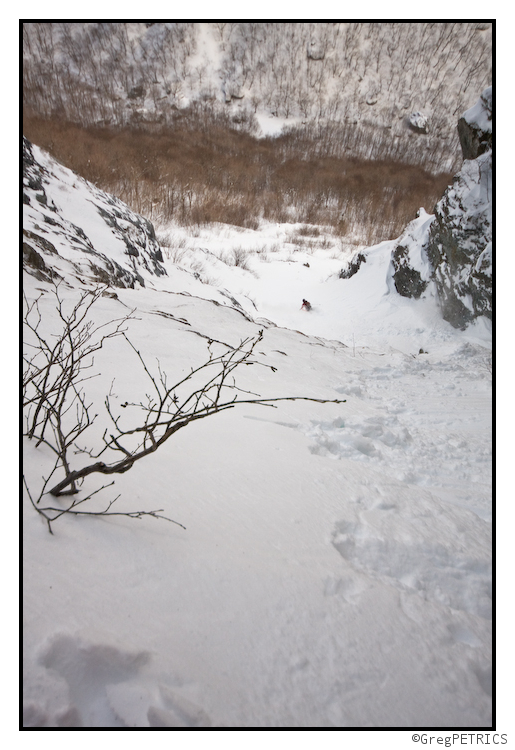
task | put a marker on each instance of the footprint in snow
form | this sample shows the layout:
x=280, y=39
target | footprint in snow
x=88, y=668
x=448, y=575
x=177, y=711
x=110, y=687
x=349, y=588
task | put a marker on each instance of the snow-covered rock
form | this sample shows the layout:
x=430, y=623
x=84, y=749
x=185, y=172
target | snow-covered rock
x=65, y=223
x=453, y=247
x=411, y=270
x=459, y=245
x=418, y=122
x=475, y=127
x=315, y=50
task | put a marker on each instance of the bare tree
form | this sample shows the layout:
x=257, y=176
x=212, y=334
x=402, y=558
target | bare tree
x=57, y=412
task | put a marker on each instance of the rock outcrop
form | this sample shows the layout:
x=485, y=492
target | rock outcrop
x=449, y=254
x=453, y=248
x=410, y=269
x=352, y=267
x=418, y=122
x=65, y=217
x=459, y=243
x=475, y=127
x=408, y=280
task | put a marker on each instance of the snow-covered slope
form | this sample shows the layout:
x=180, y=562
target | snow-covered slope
x=335, y=570
x=71, y=227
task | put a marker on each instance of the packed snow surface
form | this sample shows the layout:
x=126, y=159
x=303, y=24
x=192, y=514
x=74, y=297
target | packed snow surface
x=335, y=570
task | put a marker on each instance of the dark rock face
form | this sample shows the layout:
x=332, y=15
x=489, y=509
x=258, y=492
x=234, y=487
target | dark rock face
x=34, y=260
x=473, y=142
x=475, y=127
x=407, y=280
x=353, y=267
x=138, y=235
x=459, y=246
x=39, y=241
x=32, y=175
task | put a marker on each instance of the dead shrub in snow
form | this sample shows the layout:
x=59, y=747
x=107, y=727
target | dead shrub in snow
x=307, y=231
x=57, y=412
x=240, y=258
x=173, y=249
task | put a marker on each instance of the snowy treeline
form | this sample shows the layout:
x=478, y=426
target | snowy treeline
x=368, y=77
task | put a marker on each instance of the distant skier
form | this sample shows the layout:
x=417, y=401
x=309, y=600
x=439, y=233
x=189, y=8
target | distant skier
x=305, y=305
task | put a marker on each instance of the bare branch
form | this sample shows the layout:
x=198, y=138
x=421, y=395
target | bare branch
x=72, y=509
x=58, y=412
x=159, y=420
